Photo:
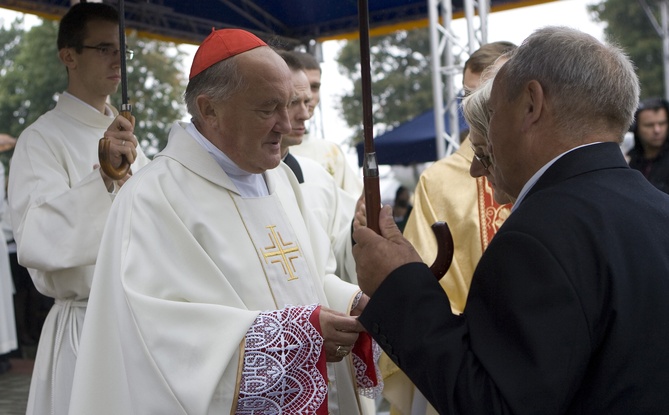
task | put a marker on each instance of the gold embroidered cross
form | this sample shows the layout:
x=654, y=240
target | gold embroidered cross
x=282, y=252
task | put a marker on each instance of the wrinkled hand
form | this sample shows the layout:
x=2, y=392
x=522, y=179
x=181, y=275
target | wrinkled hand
x=376, y=256
x=123, y=143
x=337, y=330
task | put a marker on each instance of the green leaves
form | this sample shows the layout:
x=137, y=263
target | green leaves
x=629, y=27
x=401, y=80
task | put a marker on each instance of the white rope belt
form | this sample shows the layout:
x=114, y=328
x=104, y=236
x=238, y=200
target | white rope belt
x=66, y=315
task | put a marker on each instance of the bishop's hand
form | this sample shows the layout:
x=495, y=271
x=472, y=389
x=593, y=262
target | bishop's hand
x=340, y=332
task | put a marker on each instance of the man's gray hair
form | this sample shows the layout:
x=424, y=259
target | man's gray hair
x=589, y=84
x=219, y=82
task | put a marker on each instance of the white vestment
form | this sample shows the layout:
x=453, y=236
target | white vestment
x=8, y=340
x=186, y=266
x=59, y=205
x=334, y=209
x=332, y=158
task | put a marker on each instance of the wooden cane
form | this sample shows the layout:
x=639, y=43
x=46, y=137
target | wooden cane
x=104, y=145
x=370, y=164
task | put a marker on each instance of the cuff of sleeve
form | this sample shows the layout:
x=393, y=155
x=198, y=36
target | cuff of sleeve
x=365, y=357
x=284, y=363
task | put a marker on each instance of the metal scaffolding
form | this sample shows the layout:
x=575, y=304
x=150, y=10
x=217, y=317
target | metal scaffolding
x=444, y=48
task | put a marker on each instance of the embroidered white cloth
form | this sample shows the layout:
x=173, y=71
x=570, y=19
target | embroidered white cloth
x=281, y=365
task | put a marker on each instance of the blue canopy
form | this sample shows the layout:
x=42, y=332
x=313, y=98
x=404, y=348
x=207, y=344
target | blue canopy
x=411, y=142
x=288, y=20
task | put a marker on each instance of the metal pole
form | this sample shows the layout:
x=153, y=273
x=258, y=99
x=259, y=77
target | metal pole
x=452, y=139
x=663, y=32
x=664, y=12
x=371, y=167
x=484, y=10
x=437, y=85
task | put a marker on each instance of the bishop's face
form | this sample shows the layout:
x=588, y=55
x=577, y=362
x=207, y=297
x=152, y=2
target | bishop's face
x=250, y=124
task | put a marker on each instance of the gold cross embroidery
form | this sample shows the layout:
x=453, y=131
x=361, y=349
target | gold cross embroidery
x=281, y=252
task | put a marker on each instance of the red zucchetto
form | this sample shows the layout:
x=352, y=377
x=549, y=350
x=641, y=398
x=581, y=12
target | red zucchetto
x=222, y=44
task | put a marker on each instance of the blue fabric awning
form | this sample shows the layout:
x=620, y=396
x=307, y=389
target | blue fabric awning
x=293, y=21
x=411, y=142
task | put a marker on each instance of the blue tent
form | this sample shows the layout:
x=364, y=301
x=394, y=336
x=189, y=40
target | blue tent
x=288, y=20
x=411, y=142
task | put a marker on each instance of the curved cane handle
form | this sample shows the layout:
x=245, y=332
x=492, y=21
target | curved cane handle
x=104, y=155
x=444, y=249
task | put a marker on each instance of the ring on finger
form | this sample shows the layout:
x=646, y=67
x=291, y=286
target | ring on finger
x=342, y=351
x=123, y=142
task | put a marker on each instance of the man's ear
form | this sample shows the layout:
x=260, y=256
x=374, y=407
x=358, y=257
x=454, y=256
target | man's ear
x=206, y=109
x=66, y=55
x=534, y=103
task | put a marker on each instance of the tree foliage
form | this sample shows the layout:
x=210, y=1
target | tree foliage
x=401, y=80
x=32, y=76
x=156, y=83
x=628, y=26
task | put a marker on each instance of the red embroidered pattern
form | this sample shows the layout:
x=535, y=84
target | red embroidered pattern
x=491, y=213
x=280, y=373
x=368, y=376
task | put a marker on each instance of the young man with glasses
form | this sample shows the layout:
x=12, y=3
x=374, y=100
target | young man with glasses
x=59, y=197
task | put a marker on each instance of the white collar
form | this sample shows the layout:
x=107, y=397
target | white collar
x=248, y=184
x=108, y=112
x=535, y=178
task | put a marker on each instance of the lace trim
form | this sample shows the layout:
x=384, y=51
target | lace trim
x=280, y=373
x=367, y=387
x=356, y=300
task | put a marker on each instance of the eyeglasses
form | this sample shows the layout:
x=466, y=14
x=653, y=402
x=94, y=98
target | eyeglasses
x=484, y=160
x=109, y=52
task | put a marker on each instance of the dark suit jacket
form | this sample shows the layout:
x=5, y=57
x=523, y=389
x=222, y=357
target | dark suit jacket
x=568, y=311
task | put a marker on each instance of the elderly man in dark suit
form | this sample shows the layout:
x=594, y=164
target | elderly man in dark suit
x=568, y=311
